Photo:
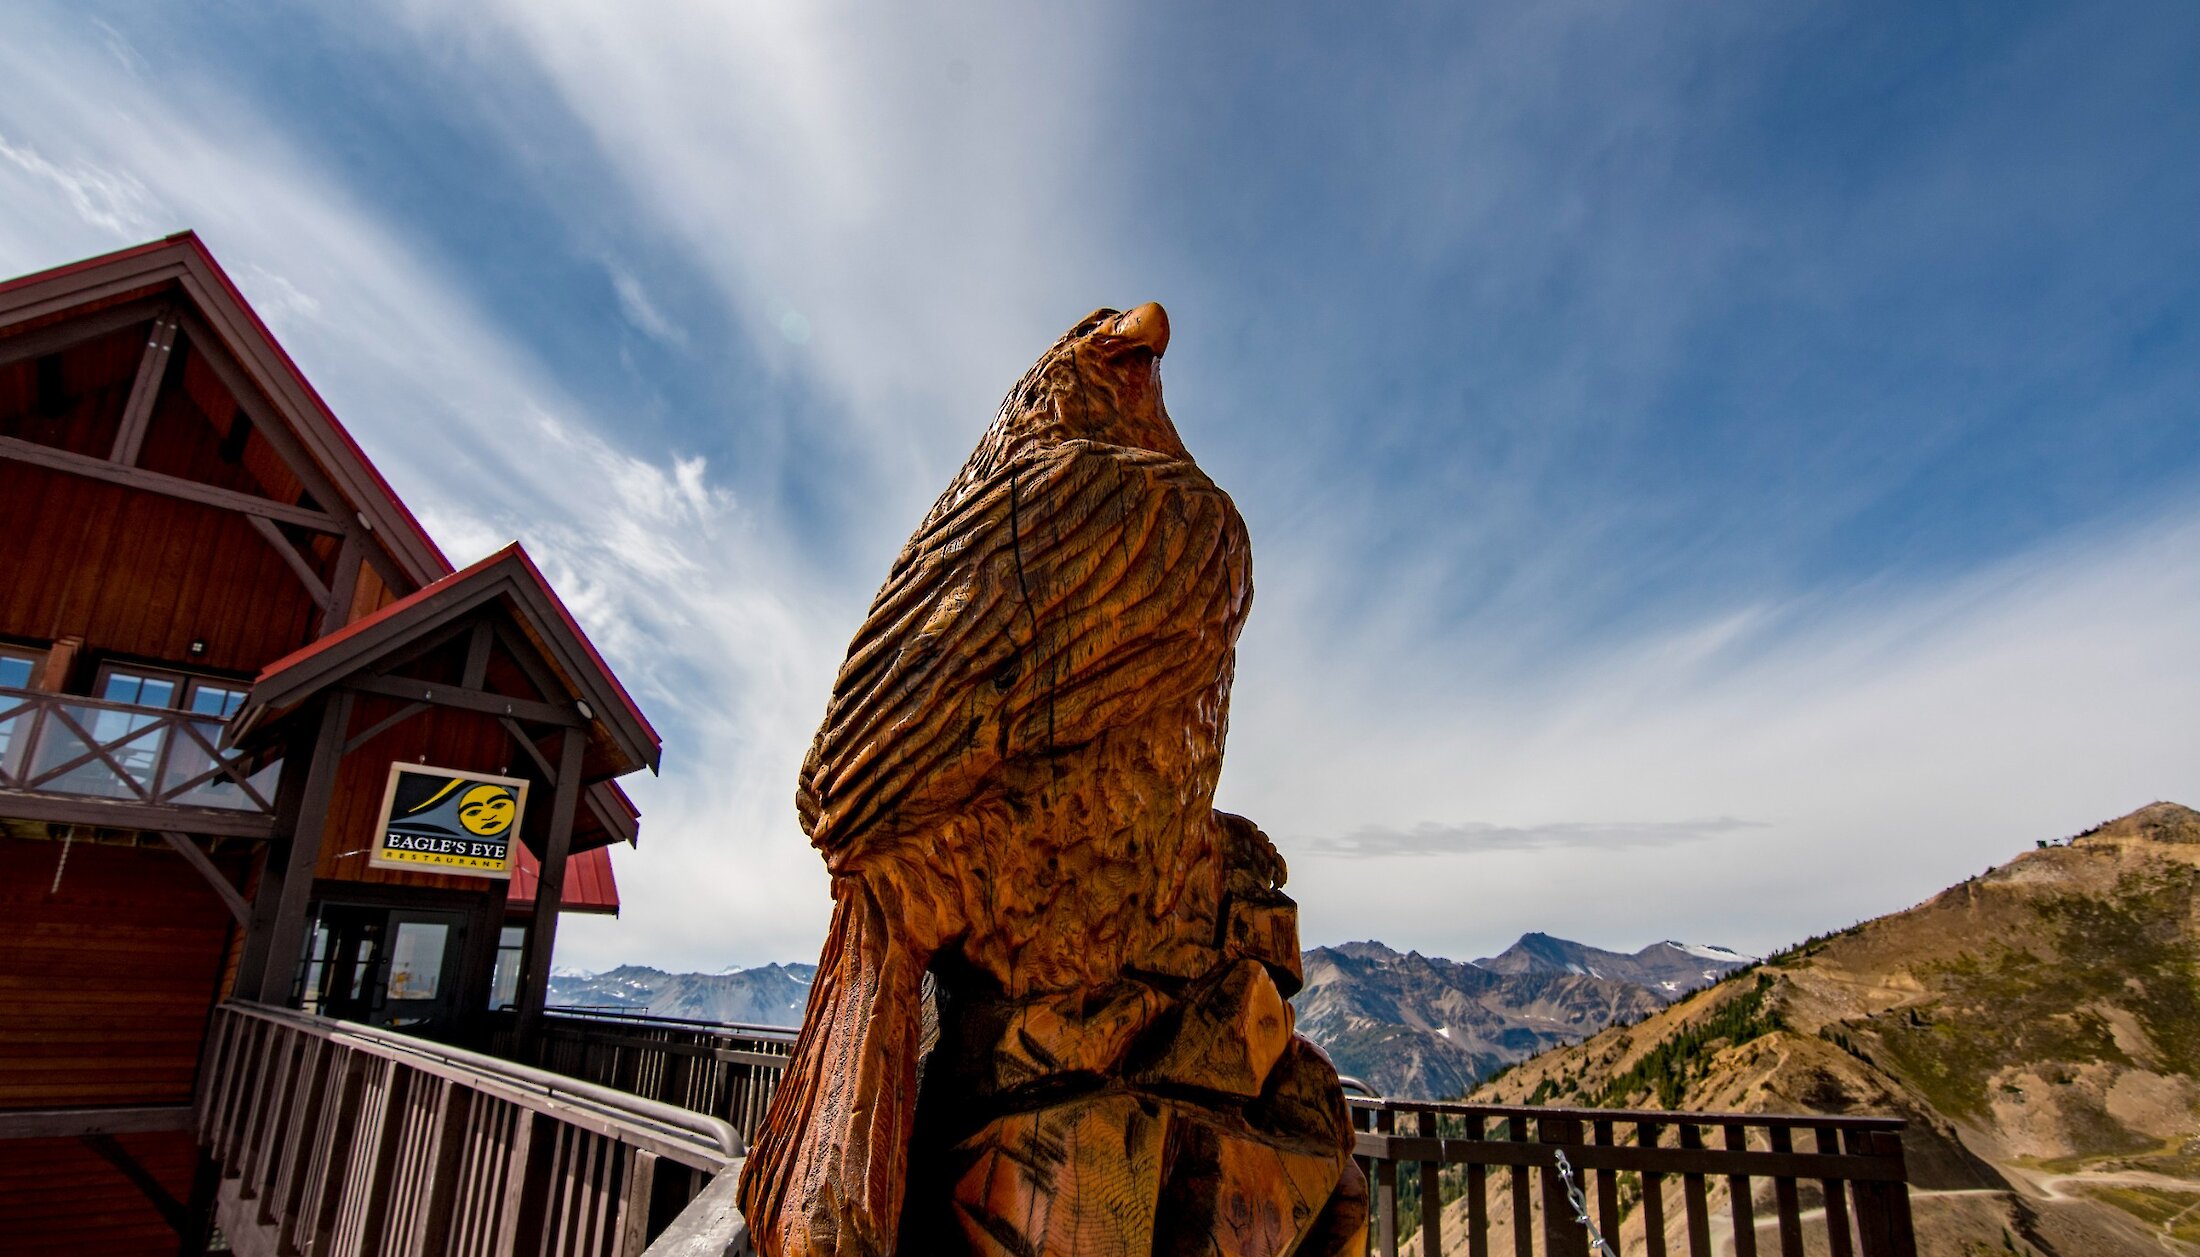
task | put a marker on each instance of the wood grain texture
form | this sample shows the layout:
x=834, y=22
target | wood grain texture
x=1050, y=1017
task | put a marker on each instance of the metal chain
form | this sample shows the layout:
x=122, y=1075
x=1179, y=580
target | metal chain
x=1581, y=1206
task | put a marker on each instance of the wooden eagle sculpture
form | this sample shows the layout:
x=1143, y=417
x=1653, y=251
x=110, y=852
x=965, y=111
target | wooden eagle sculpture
x=1050, y=1015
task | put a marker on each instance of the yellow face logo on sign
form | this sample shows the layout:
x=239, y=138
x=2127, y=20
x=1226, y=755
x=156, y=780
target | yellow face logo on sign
x=486, y=810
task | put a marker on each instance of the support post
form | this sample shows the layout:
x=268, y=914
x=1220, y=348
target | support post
x=286, y=930
x=534, y=986
x=290, y=791
x=343, y=585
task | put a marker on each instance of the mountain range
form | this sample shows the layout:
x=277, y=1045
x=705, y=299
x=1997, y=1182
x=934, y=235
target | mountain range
x=2038, y=1026
x=767, y=995
x=1406, y=1024
x=1425, y=1027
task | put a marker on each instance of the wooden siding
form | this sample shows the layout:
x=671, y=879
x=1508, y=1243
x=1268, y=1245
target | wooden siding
x=370, y=596
x=226, y=988
x=135, y=574
x=61, y=1196
x=107, y=980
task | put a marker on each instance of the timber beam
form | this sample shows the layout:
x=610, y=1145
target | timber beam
x=72, y=809
x=137, y=413
x=22, y=451
x=60, y=336
x=231, y=897
x=298, y=565
x=72, y=1123
x=466, y=699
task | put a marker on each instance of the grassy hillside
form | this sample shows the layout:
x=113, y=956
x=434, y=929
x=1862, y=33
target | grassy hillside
x=2038, y=1026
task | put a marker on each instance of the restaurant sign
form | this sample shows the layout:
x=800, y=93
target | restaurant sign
x=442, y=820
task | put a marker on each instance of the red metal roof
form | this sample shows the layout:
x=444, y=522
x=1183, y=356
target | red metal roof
x=589, y=886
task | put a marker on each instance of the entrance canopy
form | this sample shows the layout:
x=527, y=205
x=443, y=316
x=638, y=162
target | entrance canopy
x=492, y=640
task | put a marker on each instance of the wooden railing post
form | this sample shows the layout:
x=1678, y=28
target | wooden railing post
x=1741, y=1201
x=526, y=1186
x=1828, y=1142
x=1478, y=1188
x=1562, y=1235
x=1608, y=1218
x=1523, y=1208
x=1694, y=1199
x=1386, y=1191
x=1787, y=1202
x=1883, y=1227
x=1432, y=1194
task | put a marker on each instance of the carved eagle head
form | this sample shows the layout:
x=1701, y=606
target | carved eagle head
x=1100, y=382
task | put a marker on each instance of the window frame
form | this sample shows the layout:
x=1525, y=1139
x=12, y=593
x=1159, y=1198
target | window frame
x=31, y=655
x=188, y=685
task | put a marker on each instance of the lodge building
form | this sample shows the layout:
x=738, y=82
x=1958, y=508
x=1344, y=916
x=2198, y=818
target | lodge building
x=219, y=631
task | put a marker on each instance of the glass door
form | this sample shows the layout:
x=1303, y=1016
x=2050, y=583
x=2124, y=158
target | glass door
x=395, y=967
x=421, y=978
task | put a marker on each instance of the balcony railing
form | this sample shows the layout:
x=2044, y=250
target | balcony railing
x=723, y=1069
x=1655, y=1183
x=64, y=744
x=334, y=1138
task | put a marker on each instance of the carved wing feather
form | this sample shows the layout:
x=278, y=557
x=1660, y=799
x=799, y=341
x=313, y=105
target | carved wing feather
x=1068, y=593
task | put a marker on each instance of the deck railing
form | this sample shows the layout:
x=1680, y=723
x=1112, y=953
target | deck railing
x=724, y=1069
x=1652, y=1180
x=71, y=745
x=1654, y=1183
x=334, y=1138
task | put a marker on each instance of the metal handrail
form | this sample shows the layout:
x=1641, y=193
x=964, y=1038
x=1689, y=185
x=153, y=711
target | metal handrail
x=608, y=1101
x=645, y=1018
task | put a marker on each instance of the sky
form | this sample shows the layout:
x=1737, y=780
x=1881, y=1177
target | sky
x=1715, y=472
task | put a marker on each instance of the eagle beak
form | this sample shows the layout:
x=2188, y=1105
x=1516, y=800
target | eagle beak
x=1147, y=326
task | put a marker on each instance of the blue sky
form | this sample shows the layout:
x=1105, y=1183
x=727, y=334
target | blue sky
x=1714, y=471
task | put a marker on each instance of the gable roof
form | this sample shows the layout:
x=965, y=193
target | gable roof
x=180, y=265
x=615, y=721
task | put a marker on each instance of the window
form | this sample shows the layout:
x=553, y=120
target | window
x=139, y=688
x=219, y=699
x=19, y=667
x=214, y=697
x=511, y=950
x=416, y=959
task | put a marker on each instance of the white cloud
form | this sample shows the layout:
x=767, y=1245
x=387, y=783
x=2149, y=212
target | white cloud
x=639, y=310
x=1887, y=745
x=111, y=201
